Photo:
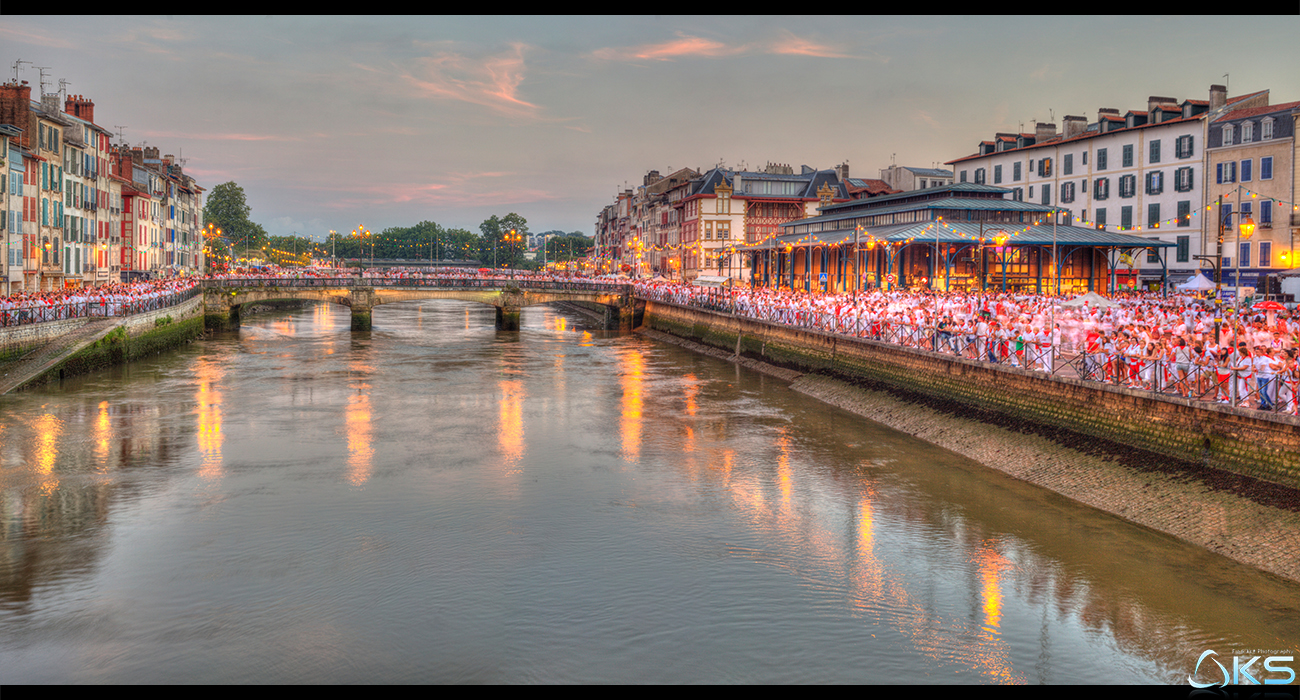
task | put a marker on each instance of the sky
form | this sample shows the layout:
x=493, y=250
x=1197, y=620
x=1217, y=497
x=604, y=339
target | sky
x=334, y=122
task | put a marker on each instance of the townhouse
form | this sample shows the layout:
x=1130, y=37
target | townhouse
x=75, y=186
x=1251, y=165
x=1142, y=172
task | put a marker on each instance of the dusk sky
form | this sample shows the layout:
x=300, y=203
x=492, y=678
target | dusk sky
x=331, y=122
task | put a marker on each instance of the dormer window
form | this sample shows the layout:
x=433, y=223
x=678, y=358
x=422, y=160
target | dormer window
x=1247, y=131
x=1266, y=131
x=1227, y=135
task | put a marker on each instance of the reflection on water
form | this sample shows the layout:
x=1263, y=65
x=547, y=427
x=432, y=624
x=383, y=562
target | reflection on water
x=208, y=372
x=669, y=517
x=361, y=451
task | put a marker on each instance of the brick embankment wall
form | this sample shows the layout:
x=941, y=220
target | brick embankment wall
x=1235, y=440
x=139, y=335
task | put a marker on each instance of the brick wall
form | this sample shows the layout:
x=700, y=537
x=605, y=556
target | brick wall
x=1242, y=441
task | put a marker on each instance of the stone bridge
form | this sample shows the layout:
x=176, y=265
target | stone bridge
x=224, y=299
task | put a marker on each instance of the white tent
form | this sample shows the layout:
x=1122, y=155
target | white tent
x=1199, y=283
x=1094, y=300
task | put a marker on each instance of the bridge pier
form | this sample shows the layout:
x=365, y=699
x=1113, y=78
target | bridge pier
x=222, y=318
x=362, y=302
x=507, y=318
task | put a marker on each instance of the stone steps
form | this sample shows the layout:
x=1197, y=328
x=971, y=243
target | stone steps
x=40, y=360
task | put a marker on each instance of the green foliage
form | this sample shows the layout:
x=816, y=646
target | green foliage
x=567, y=247
x=164, y=321
x=227, y=209
x=417, y=242
x=495, y=249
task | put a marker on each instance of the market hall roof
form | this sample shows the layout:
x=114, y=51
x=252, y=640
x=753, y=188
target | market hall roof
x=1021, y=220
x=970, y=231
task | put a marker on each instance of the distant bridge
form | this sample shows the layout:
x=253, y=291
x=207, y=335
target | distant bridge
x=224, y=299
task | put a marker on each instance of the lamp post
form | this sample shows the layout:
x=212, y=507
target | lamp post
x=512, y=236
x=361, y=233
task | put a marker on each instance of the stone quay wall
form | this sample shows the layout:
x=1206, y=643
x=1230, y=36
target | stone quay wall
x=1261, y=445
x=139, y=335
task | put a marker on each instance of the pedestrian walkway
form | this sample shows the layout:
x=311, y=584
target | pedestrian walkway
x=45, y=357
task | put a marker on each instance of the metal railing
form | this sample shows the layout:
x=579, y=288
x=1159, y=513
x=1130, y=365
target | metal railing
x=1192, y=380
x=44, y=313
x=417, y=282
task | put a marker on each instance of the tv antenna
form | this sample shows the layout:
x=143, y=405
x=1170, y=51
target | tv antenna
x=63, y=87
x=42, y=69
x=18, y=68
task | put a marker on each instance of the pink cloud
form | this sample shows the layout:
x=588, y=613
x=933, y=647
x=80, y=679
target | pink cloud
x=492, y=83
x=684, y=45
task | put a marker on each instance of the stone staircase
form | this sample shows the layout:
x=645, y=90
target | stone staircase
x=31, y=365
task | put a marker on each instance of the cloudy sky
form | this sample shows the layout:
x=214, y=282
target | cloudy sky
x=331, y=122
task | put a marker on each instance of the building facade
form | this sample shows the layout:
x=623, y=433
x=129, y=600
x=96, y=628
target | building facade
x=1251, y=168
x=1141, y=173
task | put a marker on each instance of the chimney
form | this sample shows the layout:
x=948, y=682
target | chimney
x=1103, y=112
x=1153, y=101
x=1218, y=97
x=151, y=152
x=651, y=178
x=16, y=107
x=80, y=107
x=842, y=171
x=1042, y=132
x=1075, y=126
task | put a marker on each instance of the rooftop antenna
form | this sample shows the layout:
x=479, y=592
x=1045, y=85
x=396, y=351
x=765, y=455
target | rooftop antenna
x=63, y=87
x=119, y=128
x=1226, y=86
x=1051, y=116
x=18, y=68
x=42, y=69
x=892, y=161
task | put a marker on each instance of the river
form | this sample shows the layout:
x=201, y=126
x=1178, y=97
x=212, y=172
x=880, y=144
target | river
x=437, y=502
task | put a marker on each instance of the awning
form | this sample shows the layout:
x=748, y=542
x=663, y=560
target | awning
x=711, y=281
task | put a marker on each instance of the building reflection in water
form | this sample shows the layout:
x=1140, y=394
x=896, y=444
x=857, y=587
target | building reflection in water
x=47, y=429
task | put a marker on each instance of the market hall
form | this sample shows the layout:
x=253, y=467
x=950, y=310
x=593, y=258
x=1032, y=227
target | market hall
x=959, y=237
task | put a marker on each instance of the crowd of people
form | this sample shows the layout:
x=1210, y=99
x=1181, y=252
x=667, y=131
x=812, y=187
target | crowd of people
x=81, y=302
x=1139, y=340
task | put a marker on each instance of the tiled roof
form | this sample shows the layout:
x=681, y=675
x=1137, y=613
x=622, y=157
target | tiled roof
x=1090, y=133
x=1256, y=111
x=930, y=172
x=855, y=185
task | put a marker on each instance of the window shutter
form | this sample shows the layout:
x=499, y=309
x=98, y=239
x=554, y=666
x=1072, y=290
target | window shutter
x=1266, y=168
x=1184, y=213
x=1155, y=151
x=1245, y=170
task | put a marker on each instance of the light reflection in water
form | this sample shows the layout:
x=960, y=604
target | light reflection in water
x=511, y=430
x=103, y=437
x=361, y=451
x=208, y=373
x=48, y=429
x=632, y=373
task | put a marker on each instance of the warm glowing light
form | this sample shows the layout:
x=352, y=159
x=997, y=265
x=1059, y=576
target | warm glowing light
x=633, y=371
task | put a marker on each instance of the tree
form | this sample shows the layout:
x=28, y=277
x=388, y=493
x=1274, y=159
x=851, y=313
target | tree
x=228, y=209
x=494, y=249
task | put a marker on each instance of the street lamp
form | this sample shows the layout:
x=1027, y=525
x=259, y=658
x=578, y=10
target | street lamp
x=512, y=236
x=361, y=233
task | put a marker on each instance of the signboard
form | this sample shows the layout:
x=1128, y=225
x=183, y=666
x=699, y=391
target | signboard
x=823, y=280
